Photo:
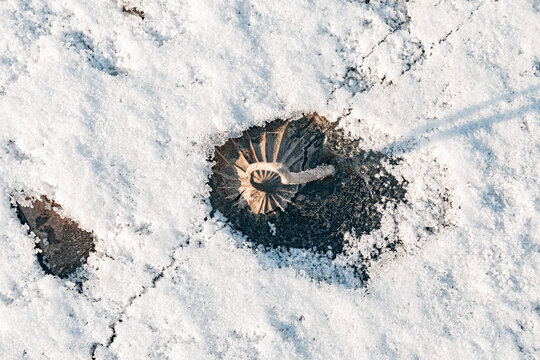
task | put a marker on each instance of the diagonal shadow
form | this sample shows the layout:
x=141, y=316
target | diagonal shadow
x=453, y=125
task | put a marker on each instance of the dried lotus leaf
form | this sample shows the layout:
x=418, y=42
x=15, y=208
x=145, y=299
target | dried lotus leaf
x=64, y=245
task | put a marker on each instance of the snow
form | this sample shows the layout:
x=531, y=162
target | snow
x=115, y=118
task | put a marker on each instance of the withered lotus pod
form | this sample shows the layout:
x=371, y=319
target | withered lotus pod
x=64, y=245
x=263, y=168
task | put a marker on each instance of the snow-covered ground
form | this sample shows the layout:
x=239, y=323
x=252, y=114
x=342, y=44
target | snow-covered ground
x=115, y=117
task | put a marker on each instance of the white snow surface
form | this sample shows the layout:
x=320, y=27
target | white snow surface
x=116, y=117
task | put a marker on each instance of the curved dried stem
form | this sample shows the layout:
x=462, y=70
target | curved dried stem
x=292, y=178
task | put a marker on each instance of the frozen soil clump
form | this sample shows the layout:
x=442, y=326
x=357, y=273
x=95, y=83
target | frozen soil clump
x=319, y=213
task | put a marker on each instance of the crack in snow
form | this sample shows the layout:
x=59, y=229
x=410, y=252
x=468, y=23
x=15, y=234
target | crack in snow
x=132, y=299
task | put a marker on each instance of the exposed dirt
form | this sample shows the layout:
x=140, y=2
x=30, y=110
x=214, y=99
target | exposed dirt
x=322, y=211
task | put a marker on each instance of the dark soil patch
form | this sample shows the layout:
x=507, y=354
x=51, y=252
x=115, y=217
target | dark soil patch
x=323, y=211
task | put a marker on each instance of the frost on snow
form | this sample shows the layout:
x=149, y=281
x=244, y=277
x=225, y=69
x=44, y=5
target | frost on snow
x=114, y=109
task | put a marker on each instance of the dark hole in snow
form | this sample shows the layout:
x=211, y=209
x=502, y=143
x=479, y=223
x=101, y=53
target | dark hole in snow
x=316, y=214
x=63, y=245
